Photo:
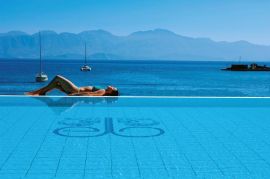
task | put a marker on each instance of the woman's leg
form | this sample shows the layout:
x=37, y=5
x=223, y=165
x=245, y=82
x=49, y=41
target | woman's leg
x=58, y=82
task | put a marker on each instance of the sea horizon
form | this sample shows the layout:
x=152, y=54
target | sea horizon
x=140, y=78
x=133, y=60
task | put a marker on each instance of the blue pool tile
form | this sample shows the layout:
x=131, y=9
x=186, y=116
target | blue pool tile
x=127, y=140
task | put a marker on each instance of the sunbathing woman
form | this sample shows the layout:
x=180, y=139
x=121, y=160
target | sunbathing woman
x=70, y=89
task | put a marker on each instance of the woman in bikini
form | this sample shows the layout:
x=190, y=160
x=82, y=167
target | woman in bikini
x=71, y=89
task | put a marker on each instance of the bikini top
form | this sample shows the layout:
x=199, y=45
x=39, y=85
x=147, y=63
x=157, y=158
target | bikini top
x=96, y=88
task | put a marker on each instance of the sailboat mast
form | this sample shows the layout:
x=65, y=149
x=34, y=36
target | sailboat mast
x=85, y=53
x=240, y=59
x=40, y=67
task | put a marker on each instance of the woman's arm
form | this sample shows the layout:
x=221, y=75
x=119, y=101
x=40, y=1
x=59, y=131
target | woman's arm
x=96, y=93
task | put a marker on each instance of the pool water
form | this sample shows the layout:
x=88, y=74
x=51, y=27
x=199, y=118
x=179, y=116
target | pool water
x=70, y=137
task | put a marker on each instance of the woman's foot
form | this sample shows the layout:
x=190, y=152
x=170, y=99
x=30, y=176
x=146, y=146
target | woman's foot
x=35, y=93
x=31, y=94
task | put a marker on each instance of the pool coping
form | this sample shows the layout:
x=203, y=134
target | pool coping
x=193, y=97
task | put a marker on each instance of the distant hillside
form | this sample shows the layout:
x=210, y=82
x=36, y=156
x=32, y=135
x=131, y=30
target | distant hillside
x=154, y=44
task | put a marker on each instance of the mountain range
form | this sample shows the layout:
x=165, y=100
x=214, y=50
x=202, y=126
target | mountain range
x=158, y=44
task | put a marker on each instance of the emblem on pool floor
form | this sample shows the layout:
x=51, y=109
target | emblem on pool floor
x=96, y=127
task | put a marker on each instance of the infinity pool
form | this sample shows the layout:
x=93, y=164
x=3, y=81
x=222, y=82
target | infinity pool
x=70, y=137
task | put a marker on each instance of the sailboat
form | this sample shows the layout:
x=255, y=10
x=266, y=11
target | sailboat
x=85, y=67
x=41, y=76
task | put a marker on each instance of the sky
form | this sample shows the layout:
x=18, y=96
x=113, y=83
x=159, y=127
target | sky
x=220, y=20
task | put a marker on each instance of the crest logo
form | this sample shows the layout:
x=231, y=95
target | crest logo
x=97, y=127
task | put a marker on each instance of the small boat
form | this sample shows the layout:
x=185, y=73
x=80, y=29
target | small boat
x=41, y=76
x=85, y=67
x=251, y=67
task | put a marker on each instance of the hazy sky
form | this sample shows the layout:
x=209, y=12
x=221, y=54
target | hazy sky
x=228, y=20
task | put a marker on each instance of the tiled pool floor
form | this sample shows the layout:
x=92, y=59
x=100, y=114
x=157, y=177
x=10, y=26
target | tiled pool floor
x=134, y=138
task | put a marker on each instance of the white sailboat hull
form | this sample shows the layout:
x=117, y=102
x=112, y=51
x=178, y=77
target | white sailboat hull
x=41, y=77
x=85, y=68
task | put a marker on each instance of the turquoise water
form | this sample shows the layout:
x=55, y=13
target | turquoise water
x=140, y=78
x=134, y=137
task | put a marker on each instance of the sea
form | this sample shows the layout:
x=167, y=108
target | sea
x=139, y=77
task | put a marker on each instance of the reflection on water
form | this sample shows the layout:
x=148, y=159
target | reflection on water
x=63, y=104
x=96, y=127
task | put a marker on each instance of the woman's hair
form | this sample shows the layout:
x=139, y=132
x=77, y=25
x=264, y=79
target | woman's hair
x=113, y=93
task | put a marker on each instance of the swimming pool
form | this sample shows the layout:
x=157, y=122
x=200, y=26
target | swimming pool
x=75, y=137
